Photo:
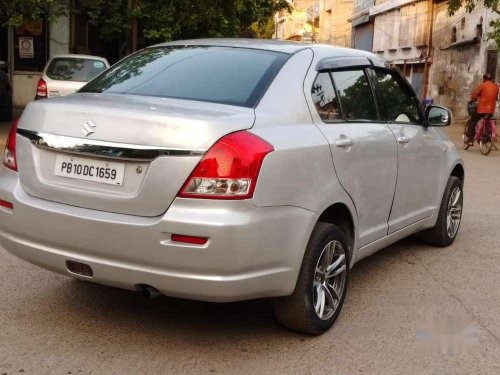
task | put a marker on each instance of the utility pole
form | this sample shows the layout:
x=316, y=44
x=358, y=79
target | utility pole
x=133, y=29
x=425, y=86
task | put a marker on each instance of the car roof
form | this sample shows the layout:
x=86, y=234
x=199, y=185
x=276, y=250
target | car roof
x=289, y=47
x=78, y=56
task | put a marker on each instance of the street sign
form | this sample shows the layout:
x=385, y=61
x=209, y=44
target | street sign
x=26, y=47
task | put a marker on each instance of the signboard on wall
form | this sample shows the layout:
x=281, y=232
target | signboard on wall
x=26, y=50
x=30, y=46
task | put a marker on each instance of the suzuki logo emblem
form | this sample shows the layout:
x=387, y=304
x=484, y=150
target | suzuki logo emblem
x=87, y=128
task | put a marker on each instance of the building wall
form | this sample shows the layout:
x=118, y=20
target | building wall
x=341, y=27
x=402, y=34
x=459, y=61
x=363, y=36
x=324, y=21
x=292, y=26
x=362, y=25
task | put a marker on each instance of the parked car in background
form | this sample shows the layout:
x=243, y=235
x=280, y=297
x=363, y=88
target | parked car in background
x=225, y=170
x=5, y=94
x=66, y=74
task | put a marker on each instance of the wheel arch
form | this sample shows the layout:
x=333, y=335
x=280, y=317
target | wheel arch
x=458, y=171
x=340, y=215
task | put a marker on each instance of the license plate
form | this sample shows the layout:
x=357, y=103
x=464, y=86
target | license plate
x=104, y=172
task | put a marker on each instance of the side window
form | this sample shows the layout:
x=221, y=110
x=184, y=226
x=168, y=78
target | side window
x=325, y=99
x=397, y=102
x=355, y=94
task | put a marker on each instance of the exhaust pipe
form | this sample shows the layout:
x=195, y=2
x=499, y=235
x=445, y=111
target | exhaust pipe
x=149, y=292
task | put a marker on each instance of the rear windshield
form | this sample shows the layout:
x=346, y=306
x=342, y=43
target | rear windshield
x=235, y=76
x=74, y=69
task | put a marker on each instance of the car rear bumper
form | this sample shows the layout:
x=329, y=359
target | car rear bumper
x=251, y=252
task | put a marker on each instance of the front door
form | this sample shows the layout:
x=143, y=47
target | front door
x=364, y=151
x=420, y=151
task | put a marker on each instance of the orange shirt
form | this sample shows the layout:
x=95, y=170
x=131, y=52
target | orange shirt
x=487, y=92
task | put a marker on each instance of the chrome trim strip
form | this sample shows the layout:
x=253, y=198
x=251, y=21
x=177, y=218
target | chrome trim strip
x=91, y=147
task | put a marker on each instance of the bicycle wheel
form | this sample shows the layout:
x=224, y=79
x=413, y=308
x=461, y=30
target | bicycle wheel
x=485, y=145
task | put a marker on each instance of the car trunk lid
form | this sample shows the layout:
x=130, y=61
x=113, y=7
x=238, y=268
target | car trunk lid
x=156, y=142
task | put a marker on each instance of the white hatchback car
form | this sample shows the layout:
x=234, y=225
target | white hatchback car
x=224, y=170
x=66, y=74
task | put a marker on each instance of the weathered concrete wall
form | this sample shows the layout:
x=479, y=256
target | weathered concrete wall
x=455, y=69
x=333, y=26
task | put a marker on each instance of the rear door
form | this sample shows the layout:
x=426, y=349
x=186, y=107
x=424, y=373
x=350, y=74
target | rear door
x=364, y=149
x=420, y=150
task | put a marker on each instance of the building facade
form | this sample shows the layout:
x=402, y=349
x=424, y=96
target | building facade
x=295, y=25
x=443, y=57
x=397, y=30
x=462, y=53
x=362, y=25
x=316, y=21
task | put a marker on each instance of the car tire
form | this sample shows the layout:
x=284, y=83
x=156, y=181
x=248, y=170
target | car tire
x=321, y=286
x=450, y=215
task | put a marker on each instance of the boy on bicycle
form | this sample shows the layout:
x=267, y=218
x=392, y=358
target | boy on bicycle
x=487, y=93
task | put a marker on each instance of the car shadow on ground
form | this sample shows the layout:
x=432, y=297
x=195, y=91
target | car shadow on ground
x=81, y=302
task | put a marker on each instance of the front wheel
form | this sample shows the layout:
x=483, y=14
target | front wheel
x=450, y=215
x=321, y=287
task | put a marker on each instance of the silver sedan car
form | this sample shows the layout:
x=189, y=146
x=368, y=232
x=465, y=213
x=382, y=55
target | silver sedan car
x=225, y=170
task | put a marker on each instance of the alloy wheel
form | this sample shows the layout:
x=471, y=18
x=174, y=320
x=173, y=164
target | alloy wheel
x=454, y=214
x=329, y=280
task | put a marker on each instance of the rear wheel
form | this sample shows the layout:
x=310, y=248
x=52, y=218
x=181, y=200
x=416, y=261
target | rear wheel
x=486, y=144
x=321, y=287
x=449, y=217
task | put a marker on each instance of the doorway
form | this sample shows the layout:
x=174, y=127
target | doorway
x=4, y=44
x=491, y=64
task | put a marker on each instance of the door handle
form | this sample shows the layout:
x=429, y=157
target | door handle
x=403, y=139
x=344, y=142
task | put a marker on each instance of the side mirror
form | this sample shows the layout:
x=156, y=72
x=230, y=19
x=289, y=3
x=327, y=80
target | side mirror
x=437, y=116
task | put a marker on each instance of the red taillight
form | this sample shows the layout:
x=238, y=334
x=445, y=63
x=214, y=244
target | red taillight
x=189, y=239
x=229, y=169
x=6, y=204
x=9, y=156
x=41, y=89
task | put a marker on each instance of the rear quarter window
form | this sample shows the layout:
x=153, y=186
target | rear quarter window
x=235, y=76
x=325, y=98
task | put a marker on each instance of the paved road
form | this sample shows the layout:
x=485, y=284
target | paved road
x=51, y=324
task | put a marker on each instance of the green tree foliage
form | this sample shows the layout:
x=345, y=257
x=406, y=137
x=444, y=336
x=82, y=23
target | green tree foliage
x=12, y=12
x=494, y=5
x=159, y=20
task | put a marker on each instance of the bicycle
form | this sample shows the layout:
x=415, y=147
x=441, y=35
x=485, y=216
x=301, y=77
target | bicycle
x=483, y=134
